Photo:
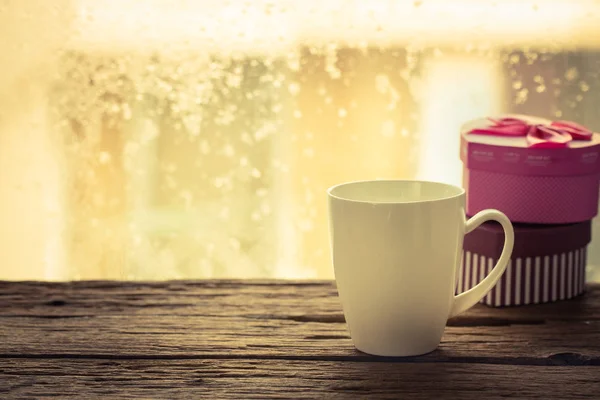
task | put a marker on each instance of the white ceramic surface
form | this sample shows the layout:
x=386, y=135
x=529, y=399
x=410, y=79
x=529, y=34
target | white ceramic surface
x=396, y=249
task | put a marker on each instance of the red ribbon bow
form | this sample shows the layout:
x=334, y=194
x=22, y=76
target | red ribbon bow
x=557, y=134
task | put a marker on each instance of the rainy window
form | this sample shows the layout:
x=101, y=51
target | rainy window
x=195, y=139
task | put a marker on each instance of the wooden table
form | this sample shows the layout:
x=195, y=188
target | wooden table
x=249, y=339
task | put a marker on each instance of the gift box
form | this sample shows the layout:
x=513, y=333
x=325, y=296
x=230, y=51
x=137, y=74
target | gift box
x=533, y=170
x=548, y=262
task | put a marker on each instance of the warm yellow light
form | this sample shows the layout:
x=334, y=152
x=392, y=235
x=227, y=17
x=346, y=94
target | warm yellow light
x=271, y=26
x=450, y=89
x=455, y=89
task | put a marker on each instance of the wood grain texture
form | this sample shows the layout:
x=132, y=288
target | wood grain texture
x=260, y=379
x=296, y=320
x=262, y=339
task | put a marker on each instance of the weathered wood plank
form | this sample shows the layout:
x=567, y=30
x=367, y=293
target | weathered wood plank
x=199, y=337
x=260, y=379
x=307, y=300
x=293, y=320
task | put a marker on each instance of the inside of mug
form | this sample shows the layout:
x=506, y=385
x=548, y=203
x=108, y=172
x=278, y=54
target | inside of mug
x=394, y=191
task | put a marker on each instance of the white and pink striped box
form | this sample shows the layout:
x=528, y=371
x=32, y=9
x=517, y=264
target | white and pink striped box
x=548, y=262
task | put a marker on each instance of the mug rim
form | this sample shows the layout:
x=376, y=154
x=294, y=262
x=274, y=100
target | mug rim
x=460, y=191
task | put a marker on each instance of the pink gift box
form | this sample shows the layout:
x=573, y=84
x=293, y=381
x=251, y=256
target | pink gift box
x=544, y=185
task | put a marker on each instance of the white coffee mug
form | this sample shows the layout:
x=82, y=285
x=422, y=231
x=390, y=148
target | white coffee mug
x=396, y=249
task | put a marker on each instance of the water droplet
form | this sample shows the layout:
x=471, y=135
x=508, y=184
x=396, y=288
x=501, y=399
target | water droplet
x=294, y=88
x=333, y=71
x=187, y=197
x=223, y=214
x=309, y=152
x=170, y=168
x=541, y=88
x=293, y=61
x=531, y=57
x=583, y=86
x=309, y=196
x=104, y=157
x=571, y=74
x=126, y=112
x=229, y=151
x=218, y=182
x=517, y=85
x=538, y=79
x=264, y=131
x=234, y=243
x=234, y=80
x=265, y=208
x=246, y=138
x=256, y=216
x=521, y=97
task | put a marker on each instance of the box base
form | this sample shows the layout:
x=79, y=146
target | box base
x=528, y=280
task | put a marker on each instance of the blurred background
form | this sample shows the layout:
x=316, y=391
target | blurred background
x=165, y=139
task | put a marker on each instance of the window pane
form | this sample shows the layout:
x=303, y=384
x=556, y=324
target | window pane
x=190, y=139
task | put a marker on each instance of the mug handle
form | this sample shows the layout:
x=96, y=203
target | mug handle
x=468, y=299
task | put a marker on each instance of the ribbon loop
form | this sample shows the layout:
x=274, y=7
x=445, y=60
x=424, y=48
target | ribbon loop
x=557, y=134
